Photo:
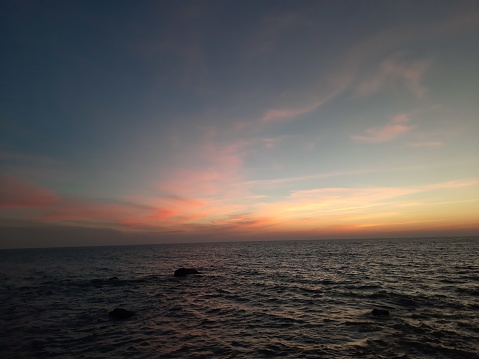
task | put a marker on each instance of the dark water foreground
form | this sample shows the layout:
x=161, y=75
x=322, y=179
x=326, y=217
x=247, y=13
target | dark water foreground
x=254, y=300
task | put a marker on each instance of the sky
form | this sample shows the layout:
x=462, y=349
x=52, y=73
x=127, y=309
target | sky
x=131, y=122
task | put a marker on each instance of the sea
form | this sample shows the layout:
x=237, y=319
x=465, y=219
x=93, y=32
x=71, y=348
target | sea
x=284, y=299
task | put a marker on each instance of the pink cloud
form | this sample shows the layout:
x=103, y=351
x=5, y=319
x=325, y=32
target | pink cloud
x=396, y=127
x=192, y=190
x=16, y=193
x=118, y=215
x=279, y=115
x=210, y=170
x=121, y=214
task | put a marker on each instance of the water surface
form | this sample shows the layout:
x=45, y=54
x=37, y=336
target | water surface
x=272, y=299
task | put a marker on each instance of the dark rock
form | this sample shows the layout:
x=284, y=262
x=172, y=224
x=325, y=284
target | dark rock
x=120, y=313
x=113, y=278
x=380, y=312
x=182, y=272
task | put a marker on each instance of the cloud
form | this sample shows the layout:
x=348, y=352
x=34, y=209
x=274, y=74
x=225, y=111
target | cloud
x=167, y=211
x=396, y=127
x=157, y=218
x=17, y=193
x=300, y=209
x=356, y=206
x=119, y=215
x=359, y=195
x=325, y=93
x=183, y=200
x=209, y=169
x=396, y=69
x=244, y=222
x=271, y=142
x=279, y=115
x=450, y=184
x=286, y=180
x=332, y=79
x=392, y=70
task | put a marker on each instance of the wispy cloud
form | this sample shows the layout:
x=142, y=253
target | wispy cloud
x=208, y=172
x=282, y=114
x=450, y=184
x=17, y=193
x=327, y=91
x=286, y=180
x=348, y=205
x=360, y=195
x=395, y=127
x=244, y=222
x=410, y=73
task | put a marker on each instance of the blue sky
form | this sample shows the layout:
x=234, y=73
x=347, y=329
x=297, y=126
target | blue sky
x=220, y=120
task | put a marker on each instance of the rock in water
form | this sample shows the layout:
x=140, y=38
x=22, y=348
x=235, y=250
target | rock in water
x=121, y=313
x=380, y=312
x=182, y=272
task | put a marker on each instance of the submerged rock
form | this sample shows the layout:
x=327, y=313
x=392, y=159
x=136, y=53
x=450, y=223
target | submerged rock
x=182, y=272
x=380, y=312
x=120, y=313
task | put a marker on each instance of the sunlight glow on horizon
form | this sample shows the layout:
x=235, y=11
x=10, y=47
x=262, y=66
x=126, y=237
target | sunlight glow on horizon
x=175, y=131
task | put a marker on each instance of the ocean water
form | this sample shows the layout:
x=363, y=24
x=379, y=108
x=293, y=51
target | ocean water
x=253, y=300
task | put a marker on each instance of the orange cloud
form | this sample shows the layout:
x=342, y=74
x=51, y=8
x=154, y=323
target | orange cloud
x=117, y=215
x=362, y=207
x=17, y=193
x=244, y=221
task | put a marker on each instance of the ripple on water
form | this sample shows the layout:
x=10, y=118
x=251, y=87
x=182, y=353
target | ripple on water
x=282, y=299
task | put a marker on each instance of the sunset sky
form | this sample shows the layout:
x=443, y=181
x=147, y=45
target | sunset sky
x=128, y=122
